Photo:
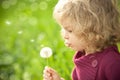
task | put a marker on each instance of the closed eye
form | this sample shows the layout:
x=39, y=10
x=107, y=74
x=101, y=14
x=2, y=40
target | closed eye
x=70, y=31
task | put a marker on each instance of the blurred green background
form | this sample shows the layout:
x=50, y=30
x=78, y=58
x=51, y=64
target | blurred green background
x=26, y=26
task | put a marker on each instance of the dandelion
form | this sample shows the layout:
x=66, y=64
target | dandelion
x=46, y=52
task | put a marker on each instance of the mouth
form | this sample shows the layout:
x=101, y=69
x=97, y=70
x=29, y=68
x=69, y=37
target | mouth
x=67, y=44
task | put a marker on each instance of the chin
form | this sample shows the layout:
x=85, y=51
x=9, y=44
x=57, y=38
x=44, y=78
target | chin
x=75, y=49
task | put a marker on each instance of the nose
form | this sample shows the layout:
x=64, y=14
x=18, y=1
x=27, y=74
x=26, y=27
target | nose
x=65, y=34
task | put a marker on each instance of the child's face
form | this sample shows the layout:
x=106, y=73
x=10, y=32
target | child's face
x=71, y=40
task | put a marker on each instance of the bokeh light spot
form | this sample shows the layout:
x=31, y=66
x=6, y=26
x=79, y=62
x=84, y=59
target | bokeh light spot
x=34, y=6
x=21, y=6
x=32, y=40
x=32, y=0
x=12, y=2
x=48, y=0
x=26, y=76
x=5, y=4
x=43, y=5
x=33, y=21
x=41, y=36
x=23, y=17
x=20, y=32
x=8, y=22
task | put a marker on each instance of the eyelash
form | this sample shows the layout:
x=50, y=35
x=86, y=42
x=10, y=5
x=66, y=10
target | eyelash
x=70, y=31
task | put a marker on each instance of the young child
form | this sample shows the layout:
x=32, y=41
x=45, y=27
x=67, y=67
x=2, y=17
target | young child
x=92, y=29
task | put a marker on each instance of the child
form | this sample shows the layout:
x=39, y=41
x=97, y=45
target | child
x=90, y=27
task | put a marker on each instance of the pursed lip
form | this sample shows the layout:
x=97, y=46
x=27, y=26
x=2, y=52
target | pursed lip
x=67, y=44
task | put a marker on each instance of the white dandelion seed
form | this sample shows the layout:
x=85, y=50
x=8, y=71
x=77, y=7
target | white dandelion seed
x=46, y=52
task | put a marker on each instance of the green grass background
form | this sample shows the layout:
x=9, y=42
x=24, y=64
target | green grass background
x=26, y=26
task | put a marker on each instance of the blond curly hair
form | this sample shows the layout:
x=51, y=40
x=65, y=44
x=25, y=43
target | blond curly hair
x=96, y=21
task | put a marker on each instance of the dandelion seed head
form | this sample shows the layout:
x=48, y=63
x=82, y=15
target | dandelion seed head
x=46, y=52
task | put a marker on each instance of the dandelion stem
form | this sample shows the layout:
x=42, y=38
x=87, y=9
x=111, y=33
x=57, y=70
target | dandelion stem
x=47, y=61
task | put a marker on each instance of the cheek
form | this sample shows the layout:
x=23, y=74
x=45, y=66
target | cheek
x=79, y=43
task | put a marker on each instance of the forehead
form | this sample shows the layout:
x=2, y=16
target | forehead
x=67, y=26
x=67, y=23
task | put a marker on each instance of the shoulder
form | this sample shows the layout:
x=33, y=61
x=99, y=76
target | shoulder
x=110, y=61
x=110, y=64
x=109, y=58
x=110, y=55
